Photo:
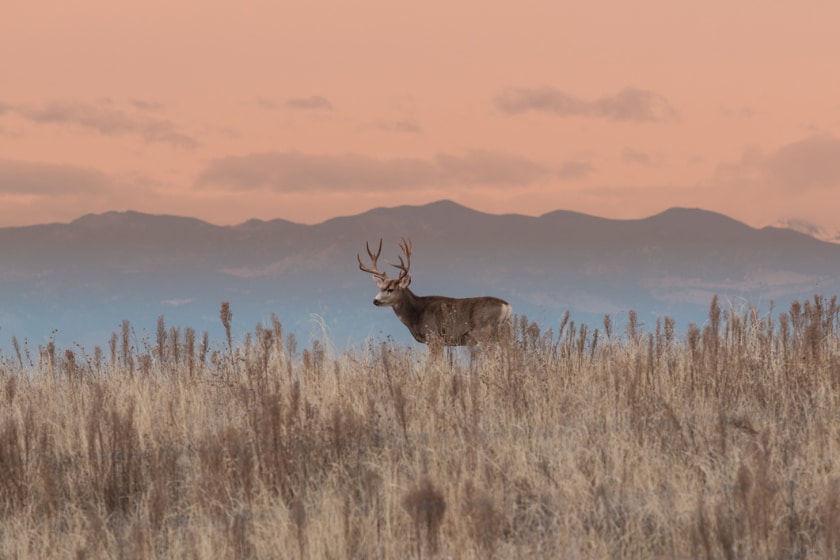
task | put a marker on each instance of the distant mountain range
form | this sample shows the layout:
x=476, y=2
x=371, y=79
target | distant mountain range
x=77, y=282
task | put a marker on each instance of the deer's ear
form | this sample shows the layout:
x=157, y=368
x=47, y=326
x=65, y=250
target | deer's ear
x=381, y=282
x=405, y=281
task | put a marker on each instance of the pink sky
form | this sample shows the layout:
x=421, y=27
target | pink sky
x=306, y=110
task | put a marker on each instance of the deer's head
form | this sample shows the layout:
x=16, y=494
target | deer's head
x=391, y=290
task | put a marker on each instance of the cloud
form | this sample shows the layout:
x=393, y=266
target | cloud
x=630, y=155
x=808, y=227
x=9, y=133
x=45, y=179
x=107, y=121
x=399, y=126
x=266, y=103
x=145, y=105
x=574, y=170
x=296, y=172
x=484, y=168
x=742, y=113
x=309, y=103
x=628, y=105
x=811, y=163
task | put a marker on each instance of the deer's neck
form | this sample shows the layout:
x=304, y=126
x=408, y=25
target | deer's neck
x=408, y=310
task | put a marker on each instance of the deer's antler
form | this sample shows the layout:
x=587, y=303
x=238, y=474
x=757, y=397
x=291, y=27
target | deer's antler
x=372, y=269
x=405, y=265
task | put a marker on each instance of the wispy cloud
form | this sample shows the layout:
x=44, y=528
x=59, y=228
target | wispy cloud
x=146, y=105
x=45, y=179
x=628, y=105
x=574, y=170
x=484, y=168
x=811, y=163
x=740, y=113
x=309, y=103
x=295, y=172
x=629, y=155
x=103, y=119
x=405, y=126
x=800, y=225
x=266, y=103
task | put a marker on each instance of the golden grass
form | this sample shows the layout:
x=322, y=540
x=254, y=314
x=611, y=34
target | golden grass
x=572, y=443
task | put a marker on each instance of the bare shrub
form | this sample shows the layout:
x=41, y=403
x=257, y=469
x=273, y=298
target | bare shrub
x=559, y=441
x=426, y=506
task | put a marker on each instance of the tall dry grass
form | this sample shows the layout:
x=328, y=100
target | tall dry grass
x=571, y=442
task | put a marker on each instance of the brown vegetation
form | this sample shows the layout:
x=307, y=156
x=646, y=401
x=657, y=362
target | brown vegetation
x=567, y=443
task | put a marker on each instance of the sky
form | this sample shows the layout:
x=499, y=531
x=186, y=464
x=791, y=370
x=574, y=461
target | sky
x=228, y=111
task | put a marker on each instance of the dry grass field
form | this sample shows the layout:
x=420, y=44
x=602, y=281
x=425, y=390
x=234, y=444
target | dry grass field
x=618, y=442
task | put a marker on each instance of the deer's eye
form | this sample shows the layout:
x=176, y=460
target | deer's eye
x=389, y=290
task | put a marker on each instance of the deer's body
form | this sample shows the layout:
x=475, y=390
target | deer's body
x=456, y=322
x=437, y=320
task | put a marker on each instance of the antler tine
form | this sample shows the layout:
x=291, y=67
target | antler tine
x=406, y=246
x=370, y=253
x=372, y=269
x=404, y=265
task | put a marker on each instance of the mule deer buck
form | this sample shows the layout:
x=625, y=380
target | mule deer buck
x=436, y=320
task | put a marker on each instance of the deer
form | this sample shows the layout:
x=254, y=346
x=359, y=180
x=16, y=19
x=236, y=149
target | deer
x=436, y=320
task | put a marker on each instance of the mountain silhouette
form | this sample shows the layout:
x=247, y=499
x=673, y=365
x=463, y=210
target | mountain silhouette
x=77, y=282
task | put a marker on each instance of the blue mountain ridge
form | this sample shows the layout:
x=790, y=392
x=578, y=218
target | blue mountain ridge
x=75, y=283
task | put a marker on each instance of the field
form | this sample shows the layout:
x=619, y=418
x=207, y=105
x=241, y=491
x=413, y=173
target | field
x=622, y=441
